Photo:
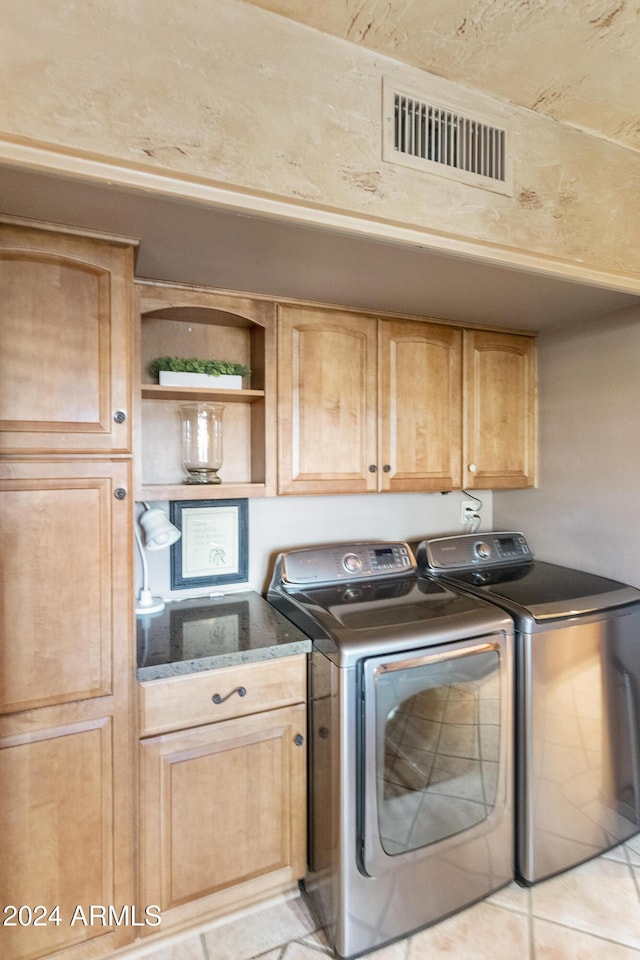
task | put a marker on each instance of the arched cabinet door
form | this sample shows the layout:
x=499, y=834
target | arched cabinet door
x=500, y=443
x=420, y=406
x=327, y=410
x=65, y=342
x=366, y=404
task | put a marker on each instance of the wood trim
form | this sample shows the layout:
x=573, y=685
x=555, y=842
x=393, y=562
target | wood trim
x=55, y=160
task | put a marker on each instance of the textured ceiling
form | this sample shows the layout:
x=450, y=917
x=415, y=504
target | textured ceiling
x=577, y=61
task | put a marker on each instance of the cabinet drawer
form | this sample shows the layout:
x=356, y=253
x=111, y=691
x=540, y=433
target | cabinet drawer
x=188, y=701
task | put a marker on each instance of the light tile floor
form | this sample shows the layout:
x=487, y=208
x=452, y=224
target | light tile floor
x=589, y=913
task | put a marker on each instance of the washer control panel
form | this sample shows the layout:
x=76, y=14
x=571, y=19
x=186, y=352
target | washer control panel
x=474, y=550
x=340, y=562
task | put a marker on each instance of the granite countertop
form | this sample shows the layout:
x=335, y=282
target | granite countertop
x=190, y=636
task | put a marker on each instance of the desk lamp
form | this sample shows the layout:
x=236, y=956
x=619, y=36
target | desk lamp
x=159, y=533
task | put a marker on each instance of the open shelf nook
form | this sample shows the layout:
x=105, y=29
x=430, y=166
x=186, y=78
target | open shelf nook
x=188, y=322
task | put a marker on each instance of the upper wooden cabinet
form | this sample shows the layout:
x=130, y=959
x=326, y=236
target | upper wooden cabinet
x=366, y=405
x=420, y=410
x=327, y=401
x=500, y=444
x=65, y=342
x=210, y=325
x=383, y=405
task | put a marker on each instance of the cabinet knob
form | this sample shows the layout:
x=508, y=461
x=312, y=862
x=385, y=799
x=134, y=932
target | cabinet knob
x=387, y=468
x=372, y=468
x=120, y=416
x=298, y=739
x=120, y=493
x=472, y=468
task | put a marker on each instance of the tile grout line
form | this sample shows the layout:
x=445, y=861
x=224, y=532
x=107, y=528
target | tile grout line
x=603, y=938
x=634, y=875
x=532, y=936
x=205, y=949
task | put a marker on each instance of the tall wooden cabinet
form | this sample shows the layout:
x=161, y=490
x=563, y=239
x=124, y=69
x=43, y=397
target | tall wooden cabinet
x=66, y=668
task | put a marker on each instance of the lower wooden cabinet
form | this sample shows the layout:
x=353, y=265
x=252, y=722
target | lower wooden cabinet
x=66, y=828
x=222, y=814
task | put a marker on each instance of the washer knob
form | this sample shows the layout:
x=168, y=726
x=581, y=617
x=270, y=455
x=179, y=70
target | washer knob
x=482, y=550
x=352, y=563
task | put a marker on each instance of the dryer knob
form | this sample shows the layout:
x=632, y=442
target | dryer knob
x=482, y=550
x=352, y=563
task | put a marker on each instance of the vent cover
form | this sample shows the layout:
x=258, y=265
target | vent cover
x=433, y=137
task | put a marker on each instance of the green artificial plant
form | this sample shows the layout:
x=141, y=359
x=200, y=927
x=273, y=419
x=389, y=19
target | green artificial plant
x=212, y=368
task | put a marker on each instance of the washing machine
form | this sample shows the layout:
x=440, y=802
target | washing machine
x=577, y=706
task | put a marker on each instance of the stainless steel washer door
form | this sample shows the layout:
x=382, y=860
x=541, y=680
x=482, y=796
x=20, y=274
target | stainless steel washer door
x=436, y=748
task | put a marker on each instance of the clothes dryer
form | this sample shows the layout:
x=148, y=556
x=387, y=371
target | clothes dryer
x=410, y=732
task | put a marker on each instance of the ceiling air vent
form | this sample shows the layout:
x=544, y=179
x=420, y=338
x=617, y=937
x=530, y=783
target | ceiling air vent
x=432, y=137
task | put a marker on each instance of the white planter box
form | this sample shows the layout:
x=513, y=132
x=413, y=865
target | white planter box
x=203, y=380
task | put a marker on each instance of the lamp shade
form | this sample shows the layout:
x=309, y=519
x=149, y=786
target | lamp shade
x=159, y=532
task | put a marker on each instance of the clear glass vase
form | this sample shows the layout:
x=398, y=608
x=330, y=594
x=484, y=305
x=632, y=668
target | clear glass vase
x=201, y=441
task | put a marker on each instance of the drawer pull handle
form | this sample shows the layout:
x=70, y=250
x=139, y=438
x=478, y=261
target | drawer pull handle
x=241, y=691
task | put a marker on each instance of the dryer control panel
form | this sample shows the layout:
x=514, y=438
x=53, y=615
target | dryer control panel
x=474, y=550
x=340, y=562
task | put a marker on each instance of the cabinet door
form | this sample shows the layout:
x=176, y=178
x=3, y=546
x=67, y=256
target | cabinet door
x=65, y=342
x=66, y=603
x=222, y=805
x=327, y=375
x=420, y=406
x=500, y=411
x=66, y=792
x=66, y=823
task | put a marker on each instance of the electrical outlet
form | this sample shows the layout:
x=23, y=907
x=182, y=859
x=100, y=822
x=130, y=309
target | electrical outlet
x=467, y=510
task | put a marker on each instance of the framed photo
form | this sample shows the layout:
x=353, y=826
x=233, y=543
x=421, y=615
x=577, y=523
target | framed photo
x=214, y=546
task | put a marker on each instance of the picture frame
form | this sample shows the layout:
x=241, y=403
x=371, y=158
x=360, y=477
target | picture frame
x=214, y=547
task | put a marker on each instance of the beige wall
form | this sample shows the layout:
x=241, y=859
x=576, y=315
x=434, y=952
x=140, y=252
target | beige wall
x=586, y=511
x=282, y=523
x=225, y=94
x=222, y=95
